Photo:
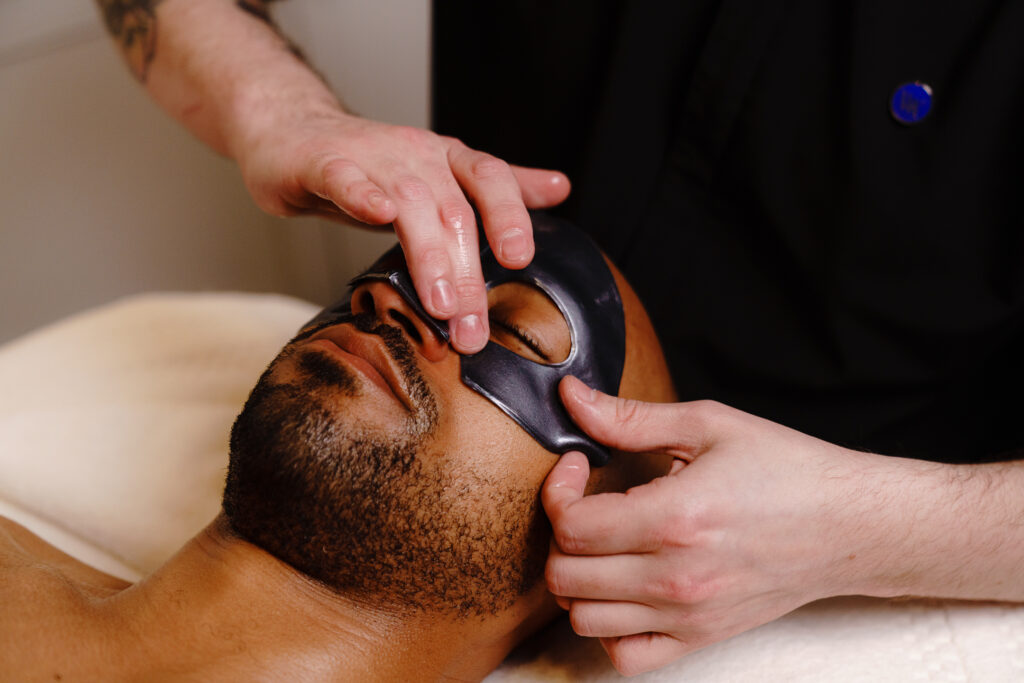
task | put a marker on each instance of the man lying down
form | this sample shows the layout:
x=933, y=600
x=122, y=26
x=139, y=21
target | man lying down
x=381, y=517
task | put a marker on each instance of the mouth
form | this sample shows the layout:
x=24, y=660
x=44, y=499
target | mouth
x=368, y=355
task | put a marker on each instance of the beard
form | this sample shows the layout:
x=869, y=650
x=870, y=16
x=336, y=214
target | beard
x=378, y=517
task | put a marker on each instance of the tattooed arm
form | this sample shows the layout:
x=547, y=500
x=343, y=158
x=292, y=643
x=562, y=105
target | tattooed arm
x=131, y=23
x=223, y=70
x=201, y=58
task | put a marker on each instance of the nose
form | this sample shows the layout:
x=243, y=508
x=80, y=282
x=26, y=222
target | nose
x=380, y=299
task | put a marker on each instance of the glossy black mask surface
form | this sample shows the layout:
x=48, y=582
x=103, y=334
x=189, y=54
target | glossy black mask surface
x=569, y=268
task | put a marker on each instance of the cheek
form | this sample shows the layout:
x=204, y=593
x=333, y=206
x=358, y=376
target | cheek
x=478, y=434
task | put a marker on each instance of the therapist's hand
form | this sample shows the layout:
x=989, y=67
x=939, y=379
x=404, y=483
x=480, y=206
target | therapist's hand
x=225, y=71
x=753, y=521
x=322, y=161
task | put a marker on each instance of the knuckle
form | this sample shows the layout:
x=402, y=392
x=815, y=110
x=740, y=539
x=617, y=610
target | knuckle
x=487, y=167
x=625, y=661
x=335, y=169
x=412, y=189
x=456, y=214
x=582, y=621
x=431, y=260
x=708, y=419
x=678, y=589
x=453, y=142
x=628, y=411
x=555, y=578
x=568, y=540
x=679, y=529
x=469, y=290
x=412, y=135
x=710, y=411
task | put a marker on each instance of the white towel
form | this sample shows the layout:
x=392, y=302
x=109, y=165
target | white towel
x=114, y=423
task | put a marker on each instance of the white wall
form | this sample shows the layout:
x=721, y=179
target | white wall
x=102, y=195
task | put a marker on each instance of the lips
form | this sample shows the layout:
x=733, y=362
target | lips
x=368, y=354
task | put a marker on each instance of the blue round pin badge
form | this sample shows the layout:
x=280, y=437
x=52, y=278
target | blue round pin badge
x=911, y=102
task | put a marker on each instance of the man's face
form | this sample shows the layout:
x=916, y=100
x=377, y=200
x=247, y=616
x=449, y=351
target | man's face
x=362, y=459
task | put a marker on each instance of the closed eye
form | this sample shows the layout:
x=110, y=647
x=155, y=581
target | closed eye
x=527, y=321
x=522, y=335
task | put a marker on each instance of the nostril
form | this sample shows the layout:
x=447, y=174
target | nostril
x=408, y=325
x=366, y=303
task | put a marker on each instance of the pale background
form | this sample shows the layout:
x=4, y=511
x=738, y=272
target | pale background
x=103, y=195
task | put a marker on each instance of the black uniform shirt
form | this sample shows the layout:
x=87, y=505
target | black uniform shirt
x=804, y=256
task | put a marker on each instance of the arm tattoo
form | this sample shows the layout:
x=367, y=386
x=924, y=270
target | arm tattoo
x=132, y=23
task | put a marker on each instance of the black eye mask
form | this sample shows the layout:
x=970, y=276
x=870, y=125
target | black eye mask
x=569, y=268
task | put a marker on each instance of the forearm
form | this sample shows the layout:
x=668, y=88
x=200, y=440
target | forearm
x=220, y=70
x=225, y=72
x=937, y=530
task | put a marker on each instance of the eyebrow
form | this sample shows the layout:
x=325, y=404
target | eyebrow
x=522, y=335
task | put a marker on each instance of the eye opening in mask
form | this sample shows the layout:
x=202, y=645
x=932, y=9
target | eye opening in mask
x=525, y=320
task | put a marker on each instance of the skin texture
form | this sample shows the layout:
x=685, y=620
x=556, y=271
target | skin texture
x=227, y=74
x=755, y=520
x=879, y=526
x=382, y=515
x=228, y=608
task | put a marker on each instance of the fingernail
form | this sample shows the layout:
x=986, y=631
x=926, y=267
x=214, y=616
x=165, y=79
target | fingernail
x=514, y=247
x=469, y=332
x=443, y=297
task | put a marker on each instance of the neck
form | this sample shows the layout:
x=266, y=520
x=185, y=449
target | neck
x=223, y=609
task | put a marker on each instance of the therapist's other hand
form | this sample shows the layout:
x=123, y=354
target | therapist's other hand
x=319, y=160
x=747, y=526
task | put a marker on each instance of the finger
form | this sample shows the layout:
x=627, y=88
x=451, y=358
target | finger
x=595, y=525
x=564, y=485
x=541, y=188
x=636, y=654
x=489, y=181
x=628, y=577
x=610, y=523
x=601, y=619
x=422, y=236
x=680, y=429
x=344, y=184
x=469, y=326
x=441, y=251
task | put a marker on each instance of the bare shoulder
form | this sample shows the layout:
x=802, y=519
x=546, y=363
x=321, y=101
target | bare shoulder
x=21, y=550
x=46, y=598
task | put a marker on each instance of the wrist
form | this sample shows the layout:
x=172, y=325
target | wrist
x=931, y=529
x=881, y=515
x=270, y=100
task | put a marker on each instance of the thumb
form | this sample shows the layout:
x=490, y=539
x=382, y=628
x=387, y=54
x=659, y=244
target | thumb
x=633, y=426
x=564, y=485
